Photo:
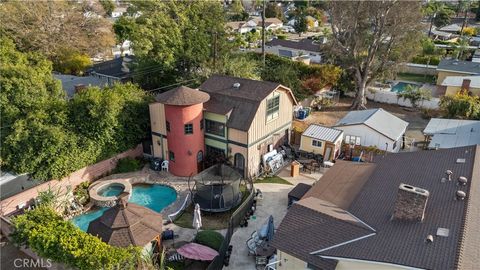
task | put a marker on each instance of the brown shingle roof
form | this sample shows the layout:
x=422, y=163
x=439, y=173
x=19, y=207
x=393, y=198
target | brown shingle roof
x=400, y=242
x=327, y=226
x=182, y=96
x=299, y=190
x=241, y=102
x=124, y=226
x=341, y=183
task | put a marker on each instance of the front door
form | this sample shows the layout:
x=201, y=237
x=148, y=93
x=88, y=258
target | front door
x=328, y=153
x=239, y=163
x=200, y=161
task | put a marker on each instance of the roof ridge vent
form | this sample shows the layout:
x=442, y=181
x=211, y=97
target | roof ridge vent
x=236, y=85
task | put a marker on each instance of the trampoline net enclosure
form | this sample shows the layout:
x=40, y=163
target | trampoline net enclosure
x=217, y=189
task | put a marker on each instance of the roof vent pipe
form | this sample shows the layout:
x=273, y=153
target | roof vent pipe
x=462, y=181
x=429, y=238
x=236, y=85
x=460, y=195
x=449, y=174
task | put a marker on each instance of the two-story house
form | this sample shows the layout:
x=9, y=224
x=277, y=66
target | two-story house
x=238, y=118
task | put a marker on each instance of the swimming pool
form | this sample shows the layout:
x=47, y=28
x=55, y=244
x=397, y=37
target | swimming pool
x=155, y=197
x=401, y=86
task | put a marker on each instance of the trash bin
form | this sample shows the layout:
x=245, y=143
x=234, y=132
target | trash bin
x=295, y=169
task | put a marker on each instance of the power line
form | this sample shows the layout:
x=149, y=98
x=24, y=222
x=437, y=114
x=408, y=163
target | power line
x=166, y=86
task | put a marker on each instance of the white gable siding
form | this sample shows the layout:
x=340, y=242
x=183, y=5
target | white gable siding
x=370, y=137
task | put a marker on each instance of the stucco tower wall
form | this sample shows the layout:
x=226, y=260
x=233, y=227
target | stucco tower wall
x=184, y=146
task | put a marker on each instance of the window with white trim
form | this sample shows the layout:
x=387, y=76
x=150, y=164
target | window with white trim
x=317, y=143
x=273, y=106
x=350, y=139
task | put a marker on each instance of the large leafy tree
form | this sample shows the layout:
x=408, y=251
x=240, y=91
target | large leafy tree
x=27, y=86
x=49, y=137
x=123, y=28
x=370, y=38
x=51, y=26
x=177, y=37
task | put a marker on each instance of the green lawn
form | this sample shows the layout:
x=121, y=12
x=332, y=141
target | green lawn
x=210, y=221
x=274, y=180
x=416, y=77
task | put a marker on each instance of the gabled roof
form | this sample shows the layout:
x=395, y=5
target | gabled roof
x=182, y=96
x=327, y=226
x=378, y=119
x=303, y=45
x=69, y=82
x=114, y=67
x=451, y=28
x=459, y=66
x=458, y=81
x=322, y=133
x=448, y=133
x=241, y=102
x=397, y=242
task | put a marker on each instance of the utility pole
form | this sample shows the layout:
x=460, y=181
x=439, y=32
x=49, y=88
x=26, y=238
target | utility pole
x=431, y=23
x=263, y=32
x=215, y=51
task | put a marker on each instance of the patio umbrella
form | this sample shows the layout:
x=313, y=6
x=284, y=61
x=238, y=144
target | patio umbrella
x=271, y=228
x=197, y=252
x=197, y=217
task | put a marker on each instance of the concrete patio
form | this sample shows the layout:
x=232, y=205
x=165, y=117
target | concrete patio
x=274, y=203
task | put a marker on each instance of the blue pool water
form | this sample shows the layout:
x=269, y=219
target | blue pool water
x=155, y=197
x=401, y=86
x=112, y=190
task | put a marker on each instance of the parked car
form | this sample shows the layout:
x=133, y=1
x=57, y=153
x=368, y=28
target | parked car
x=288, y=29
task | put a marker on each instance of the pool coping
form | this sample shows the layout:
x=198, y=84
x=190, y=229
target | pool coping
x=129, y=180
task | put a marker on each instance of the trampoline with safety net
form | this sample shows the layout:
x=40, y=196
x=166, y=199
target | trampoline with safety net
x=216, y=189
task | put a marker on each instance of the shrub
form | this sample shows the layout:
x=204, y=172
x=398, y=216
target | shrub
x=431, y=60
x=128, y=164
x=210, y=238
x=81, y=193
x=46, y=233
x=461, y=106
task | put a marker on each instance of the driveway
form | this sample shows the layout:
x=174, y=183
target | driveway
x=274, y=202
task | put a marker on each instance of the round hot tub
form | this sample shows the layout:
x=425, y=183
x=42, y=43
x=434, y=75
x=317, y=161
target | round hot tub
x=105, y=193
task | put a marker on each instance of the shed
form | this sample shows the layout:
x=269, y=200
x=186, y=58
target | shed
x=322, y=140
x=374, y=127
x=297, y=193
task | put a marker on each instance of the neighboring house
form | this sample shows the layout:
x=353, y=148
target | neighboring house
x=374, y=127
x=440, y=35
x=448, y=133
x=454, y=67
x=240, y=26
x=12, y=184
x=72, y=84
x=115, y=70
x=324, y=140
x=238, y=118
x=295, y=49
x=455, y=84
x=270, y=23
x=400, y=212
x=451, y=28
x=476, y=54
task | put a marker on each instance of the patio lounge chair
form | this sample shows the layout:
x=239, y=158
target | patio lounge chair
x=272, y=263
x=252, y=247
